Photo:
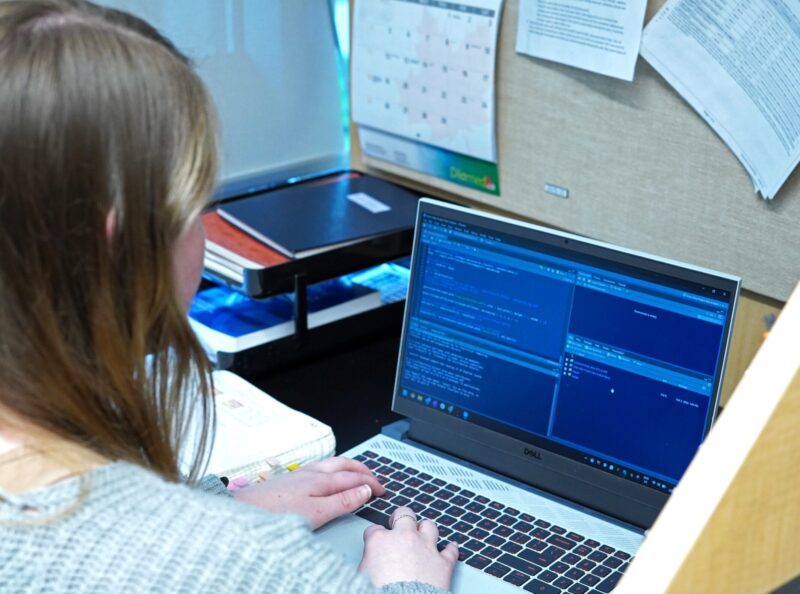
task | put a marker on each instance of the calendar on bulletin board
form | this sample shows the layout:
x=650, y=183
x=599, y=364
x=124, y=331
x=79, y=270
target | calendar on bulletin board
x=423, y=80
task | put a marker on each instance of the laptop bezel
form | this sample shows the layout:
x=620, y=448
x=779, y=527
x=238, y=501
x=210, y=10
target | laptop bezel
x=533, y=464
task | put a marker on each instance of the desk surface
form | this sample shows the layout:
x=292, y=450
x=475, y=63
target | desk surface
x=350, y=390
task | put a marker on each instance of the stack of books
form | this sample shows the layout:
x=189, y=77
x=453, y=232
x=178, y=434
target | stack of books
x=303, y=220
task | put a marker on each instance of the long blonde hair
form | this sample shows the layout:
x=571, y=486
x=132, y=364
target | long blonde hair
x=99, y=114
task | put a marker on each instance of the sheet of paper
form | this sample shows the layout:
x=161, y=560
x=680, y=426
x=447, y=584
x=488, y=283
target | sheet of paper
x=425, y=70
x=737, y=63
x=598, y=35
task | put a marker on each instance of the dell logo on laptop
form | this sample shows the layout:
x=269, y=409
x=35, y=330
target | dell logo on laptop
x=533, y=453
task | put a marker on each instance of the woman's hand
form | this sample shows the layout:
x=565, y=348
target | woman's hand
x=407, y=552
x=321, y=491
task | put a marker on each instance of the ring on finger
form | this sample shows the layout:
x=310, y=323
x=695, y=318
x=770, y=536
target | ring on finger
x=394, y=521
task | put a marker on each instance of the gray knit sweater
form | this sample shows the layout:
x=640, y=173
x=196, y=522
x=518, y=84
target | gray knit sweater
x=137, y=533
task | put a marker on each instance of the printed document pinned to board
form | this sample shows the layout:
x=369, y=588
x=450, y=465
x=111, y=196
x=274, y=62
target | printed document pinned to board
x=736, y=63
x=602, y=36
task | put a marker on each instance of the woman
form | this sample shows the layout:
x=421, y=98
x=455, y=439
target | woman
x=107, y=156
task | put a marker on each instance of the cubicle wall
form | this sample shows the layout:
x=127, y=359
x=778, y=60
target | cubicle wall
x=643, y=170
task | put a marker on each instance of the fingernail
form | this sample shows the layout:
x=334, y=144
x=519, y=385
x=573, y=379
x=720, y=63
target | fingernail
x=366, y=492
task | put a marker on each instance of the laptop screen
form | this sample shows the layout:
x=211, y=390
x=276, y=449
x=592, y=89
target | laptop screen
x=610, y=358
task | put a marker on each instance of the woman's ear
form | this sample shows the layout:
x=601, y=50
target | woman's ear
x=111, y=224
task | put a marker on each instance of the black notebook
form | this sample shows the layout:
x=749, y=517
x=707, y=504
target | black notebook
x=322, y=215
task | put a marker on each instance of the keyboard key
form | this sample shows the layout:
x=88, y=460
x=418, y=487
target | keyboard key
x=397, y=465
x=598, y=556
x=414, y=482
x=601, y=571
x=478, y=561
x=462, y=527
x=409, y=492
x=430, y=513
x=394, y=486
x=503, y=531
x=447, y=521
x=521, y=565
x=497, y=570
x=478, y=533
x=475, y=507
x=459, y=538
x=558, y=529
x=540, y=533
x=562, y=542
x=609, y=583
x=487, y=525
x=544, y=558
x=440, y=505
x=526, y=518
x=380, y=504
x=399, y=476
x=542, y=524
x=443, y=494
x=570, y=559
x=429, y=488
x=374, y=516
x=507, y=520
x=491, y=552
x=497, y=505
x=467, y=494
x=582, y=550
x=411, y=471
x=559, y=567
x=520, y=538
x=592, y=543
x=444, y=531
x=490, y=513
x=400, y=500
x=511, y=547
x=541, y=588
x=586, y=565
x=575, y=536
x=495, y=540
x=578, y=589
x=424, y=476
x=416, y=506
x=456, y=512
x=371, y=464
x=471, y=518
x=622, y=555
x=453, y=488
x=474, y=545
x=369, y=454
x=562, y=583
x=438, y=482
x=464, y=554
x=612, y=562
x=590, y=580
x=424, y=498
x=459, y=500
x=481, y=499
x=516, y=577
x=384, y=460
x=384, y=470
x=547, y=576
x=575, y=574
x=537, y=545
x=607, y=549
x=523, y=527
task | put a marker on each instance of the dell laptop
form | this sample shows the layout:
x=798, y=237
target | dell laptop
x=555, y=389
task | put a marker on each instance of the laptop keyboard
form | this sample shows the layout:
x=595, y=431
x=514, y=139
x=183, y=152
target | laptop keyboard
x=507, y=543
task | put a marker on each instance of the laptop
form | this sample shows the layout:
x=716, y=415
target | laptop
x=554, y=388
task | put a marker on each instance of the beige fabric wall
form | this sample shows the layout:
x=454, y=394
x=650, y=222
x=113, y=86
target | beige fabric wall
x=642, y=168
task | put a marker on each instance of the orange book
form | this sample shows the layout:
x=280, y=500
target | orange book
x=251, y=253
